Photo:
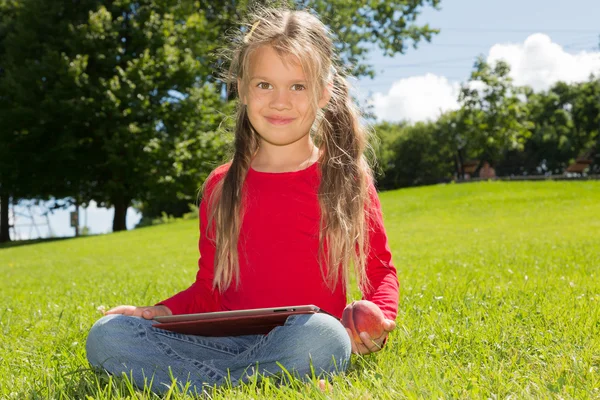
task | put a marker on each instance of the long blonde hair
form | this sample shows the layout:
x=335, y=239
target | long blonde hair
x=337, y=131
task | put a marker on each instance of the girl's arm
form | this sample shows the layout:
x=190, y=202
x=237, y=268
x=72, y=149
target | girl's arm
x=382, y=280
x=383, y=284
x=381, y=273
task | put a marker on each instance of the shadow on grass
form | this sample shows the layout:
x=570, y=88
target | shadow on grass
x=18, y=243
x=97, y=383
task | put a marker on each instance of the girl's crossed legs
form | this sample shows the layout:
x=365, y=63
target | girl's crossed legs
x=306, y=343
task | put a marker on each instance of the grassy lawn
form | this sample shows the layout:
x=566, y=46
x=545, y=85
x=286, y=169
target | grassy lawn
x=500, y=297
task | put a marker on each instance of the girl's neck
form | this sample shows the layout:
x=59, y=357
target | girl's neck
x=290, y=158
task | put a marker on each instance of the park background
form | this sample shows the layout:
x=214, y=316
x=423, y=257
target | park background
x=105, y=103
x=542, y=42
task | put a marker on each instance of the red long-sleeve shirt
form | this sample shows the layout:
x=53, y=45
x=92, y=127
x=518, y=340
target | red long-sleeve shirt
x=278, y=249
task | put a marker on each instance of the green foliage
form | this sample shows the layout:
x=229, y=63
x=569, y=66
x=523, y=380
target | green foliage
x=499, y=299
x=117, y=95
x=123, y=97
x=493, y=116
x=411, y=155
x=388, y=24
x=22, y=165
x=165, y=218
x=566, y=122
x=517, y=130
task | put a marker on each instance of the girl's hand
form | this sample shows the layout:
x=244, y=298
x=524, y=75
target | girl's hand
x=144, y=312
x=369, y=344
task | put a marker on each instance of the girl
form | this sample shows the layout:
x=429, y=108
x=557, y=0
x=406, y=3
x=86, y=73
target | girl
x=280, y=225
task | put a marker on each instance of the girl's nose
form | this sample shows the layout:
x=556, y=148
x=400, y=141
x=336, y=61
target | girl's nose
x=281, y=100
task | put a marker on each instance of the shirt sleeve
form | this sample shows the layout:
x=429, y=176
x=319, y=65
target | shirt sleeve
x=200, y=296
x=383, y=282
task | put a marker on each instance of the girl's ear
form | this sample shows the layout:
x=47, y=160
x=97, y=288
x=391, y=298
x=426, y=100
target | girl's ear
x=241, y=93
x=326, y=95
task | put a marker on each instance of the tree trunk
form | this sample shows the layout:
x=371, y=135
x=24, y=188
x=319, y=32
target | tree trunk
x=4, y=227
x=120, y=220
x=456, y=165
x=77, y=219
x=461, y=167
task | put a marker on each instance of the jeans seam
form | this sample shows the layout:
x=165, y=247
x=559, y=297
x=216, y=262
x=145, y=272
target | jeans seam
x=203, y=368
x=197, y=341
x=248, y=354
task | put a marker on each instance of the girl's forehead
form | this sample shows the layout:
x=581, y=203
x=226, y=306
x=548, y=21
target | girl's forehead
x=266, y=62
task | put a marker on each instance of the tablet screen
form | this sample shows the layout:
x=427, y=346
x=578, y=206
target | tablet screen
x=236, y=313
x=232, y=323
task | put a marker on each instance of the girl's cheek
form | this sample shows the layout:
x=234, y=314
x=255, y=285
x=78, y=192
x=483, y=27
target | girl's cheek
x=301, y=97
x=259, y=94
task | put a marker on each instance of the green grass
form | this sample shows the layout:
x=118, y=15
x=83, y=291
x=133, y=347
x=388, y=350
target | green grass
x=500, y=297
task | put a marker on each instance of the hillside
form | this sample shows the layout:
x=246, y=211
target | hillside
x=500, y=296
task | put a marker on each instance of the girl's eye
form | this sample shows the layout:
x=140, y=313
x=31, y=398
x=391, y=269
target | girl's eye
x=298, y=87
x=264, y=85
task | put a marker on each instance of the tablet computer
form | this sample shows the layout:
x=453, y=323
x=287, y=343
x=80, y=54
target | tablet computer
x=232, y=323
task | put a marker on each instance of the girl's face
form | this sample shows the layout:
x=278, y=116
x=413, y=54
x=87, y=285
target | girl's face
x=278, y=98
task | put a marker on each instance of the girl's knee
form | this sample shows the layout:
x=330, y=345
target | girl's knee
x=336, y=343
x=106, y=336
x=326, y=341
x=324, y=326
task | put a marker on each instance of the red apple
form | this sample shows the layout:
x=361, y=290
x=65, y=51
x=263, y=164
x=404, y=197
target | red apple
x=363, y=316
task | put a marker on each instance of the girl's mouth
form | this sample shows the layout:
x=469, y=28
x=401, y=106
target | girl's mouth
x=279, y=121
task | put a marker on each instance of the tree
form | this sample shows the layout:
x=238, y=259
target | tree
x=550, y=146
x=100, y=91
x=493, y=114
x=390, y=25
x=453, y=129
x=565, y=126
x=12, y=148
x=123, y=97
x=6, y=21
x=412, y=155
x=586, y=120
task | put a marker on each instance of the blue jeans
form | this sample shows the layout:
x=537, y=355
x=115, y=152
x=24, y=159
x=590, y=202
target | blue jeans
x=307, y=343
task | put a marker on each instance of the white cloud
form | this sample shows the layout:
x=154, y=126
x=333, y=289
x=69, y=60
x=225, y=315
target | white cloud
x=417, y=98
x=538, y=62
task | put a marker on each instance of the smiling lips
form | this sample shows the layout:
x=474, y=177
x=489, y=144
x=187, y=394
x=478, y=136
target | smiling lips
x=279, y=120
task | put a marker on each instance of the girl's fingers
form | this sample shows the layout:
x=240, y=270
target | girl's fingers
x=357, y=348
x=362, y=349
x=148, y=312
x=159, y=310
x=354, y=349
x=372, y=345
x=367, y=344
x=125, y=310
x=131, y=311
x=151, y=312
x=389, y=325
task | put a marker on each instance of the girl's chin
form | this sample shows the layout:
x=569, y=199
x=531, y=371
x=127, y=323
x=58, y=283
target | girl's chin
x=284, y=140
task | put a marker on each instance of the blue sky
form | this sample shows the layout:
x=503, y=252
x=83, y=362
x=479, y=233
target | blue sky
x=543, y=40
x=470, y=28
